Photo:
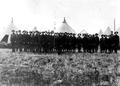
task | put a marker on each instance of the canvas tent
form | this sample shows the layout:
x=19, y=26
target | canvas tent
x=83, y=31
x=118, y=30
x=6, y=38
x=34, y=29
x=107, y=31
x=65, y=28
x=100, y=32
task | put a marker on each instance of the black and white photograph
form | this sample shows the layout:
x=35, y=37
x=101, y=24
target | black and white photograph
x=59, y=42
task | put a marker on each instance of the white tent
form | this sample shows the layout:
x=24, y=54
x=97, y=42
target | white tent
x=83, y=31
x=118, y=30
x=100, y=32
x=65, y=28
x=107, y=31
x=34, y=29
x=9, y=30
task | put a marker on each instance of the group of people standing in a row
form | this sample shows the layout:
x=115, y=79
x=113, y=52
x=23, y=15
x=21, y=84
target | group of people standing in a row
x=49, y=42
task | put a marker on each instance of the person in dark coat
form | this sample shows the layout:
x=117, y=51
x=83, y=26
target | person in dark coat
x=73, y=42
x=12, y=39
x=96, y=42
x=116, y=40
x=30, y=41
x=39, y=43
x=111, y=43
x=106, y=44
x=24, y=40
x=45, y=42
x=84, y=43
x=16, y=41
x=102, y=44
x=19, y=41
x=89, y=43
x=79, y=43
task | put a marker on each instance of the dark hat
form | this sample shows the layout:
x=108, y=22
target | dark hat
x=116, y=32
x=96, y=34
x=13, y=30
x=74, y=34
x=19, y=30
x=102, y=35
x=23, y=31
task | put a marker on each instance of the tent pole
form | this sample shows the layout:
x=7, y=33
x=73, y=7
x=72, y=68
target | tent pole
x=114, y=25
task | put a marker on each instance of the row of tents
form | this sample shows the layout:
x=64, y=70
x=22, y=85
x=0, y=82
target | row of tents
x=65, y=27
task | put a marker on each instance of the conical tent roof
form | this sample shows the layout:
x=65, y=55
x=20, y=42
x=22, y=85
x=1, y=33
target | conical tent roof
x=9, y=30
x=34, y=29
x=83, y=31
x=107, y=31
x=100, y=32
x=65, y=28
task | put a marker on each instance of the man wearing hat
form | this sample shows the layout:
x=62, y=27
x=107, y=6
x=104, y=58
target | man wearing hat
x=85, y=42
x=12, y=39
x=16, y=41
x=102, y=44
x=79, y=42
x=19, y=40
x=116, y=40
x=96, y=42
x=24, y=40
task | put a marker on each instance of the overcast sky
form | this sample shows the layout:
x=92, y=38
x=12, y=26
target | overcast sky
x=91, y=15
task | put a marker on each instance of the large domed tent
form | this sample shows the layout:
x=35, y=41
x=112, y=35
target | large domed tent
x=65, y=28
x=107, y=31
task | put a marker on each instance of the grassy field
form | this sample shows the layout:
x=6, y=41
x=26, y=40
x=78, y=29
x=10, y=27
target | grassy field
x=70, y=69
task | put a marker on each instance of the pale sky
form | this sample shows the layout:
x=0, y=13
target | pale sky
x=91, y=15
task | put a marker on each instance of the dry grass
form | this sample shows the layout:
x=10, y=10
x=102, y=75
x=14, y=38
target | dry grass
x=26, y=69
